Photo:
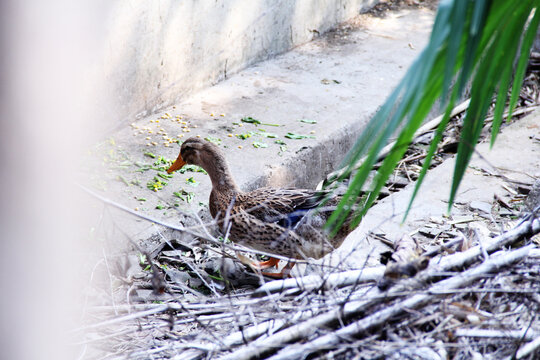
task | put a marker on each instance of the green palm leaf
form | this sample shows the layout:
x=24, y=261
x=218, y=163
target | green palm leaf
x=477, y=43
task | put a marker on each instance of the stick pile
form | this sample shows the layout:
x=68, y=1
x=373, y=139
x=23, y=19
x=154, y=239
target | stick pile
x=484, y=300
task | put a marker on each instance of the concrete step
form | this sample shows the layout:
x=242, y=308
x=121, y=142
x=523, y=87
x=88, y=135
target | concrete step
x=493, y=173
x=335, y=83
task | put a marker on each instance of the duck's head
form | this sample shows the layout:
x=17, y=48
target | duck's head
x=203, y=153
x=198, y=152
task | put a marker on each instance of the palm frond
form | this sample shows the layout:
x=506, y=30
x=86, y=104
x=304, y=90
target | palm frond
x=477, y=43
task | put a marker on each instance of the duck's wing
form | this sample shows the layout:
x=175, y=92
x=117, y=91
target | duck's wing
x=264, y=236
x=284, y=206
x=273, y=238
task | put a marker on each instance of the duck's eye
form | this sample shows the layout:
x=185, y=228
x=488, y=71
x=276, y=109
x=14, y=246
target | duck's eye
x=187, y=152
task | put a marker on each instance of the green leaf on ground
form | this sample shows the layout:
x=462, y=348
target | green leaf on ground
x=245, y=135
x=155, y=184
x=294, y=136
x=161, y=160
x=142, y=258
x=267, y=134
x=250, y=120
x=162, y=164
x=191, y=181
x=258, y=144
x=308, y=121
x=122, y=179
x=192, y=168
x=213, y=140
x=184, y=195
x=165, y=176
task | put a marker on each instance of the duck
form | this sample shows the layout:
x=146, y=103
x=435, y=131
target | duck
x=288, y=222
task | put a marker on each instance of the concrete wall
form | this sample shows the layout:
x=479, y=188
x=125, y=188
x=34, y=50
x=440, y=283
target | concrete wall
x=157, y=52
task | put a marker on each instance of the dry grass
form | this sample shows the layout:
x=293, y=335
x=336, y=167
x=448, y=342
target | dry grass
x=482, y=299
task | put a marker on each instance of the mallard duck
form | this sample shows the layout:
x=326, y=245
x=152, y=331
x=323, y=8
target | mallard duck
x=281, y=221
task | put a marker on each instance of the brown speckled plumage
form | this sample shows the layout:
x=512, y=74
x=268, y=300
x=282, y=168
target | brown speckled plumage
x=279, y=221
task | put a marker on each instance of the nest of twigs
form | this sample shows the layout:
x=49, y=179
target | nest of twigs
x=467, y=300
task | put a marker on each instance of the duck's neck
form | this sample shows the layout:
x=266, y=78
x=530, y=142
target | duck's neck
x=220, y=175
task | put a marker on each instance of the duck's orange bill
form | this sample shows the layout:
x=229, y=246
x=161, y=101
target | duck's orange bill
x=177, y=165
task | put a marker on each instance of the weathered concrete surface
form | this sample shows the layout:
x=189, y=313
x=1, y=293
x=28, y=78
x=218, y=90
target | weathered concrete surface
x=157, y=52
x=366, y=61
x=515, y=155
x=338, y=81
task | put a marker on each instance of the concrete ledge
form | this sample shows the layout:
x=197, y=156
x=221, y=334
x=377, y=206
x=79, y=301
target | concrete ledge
x=515, y=156
x=156, y=53
x=338, y=80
